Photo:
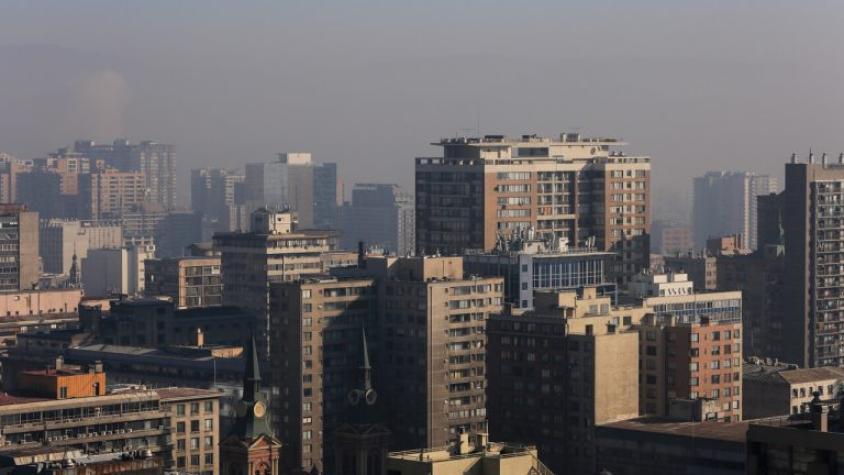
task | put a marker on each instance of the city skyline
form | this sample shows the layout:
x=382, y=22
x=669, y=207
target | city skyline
x=689, y=80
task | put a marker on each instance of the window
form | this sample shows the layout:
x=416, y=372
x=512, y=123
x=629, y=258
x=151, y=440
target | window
x=209, y=442
x=209, y=424
x=692, y=366
x=180, y=462
x=306, y=435
x=209, y=406
x=180, y=445
x=194, y=443
x=306, y=294
x=306, y=407
x=194, y=460
x=209, y=459
x=694, y=337
x=194, y=425
x=180, y=409
x=180, y=427
x=63, y=392
x=194, y=408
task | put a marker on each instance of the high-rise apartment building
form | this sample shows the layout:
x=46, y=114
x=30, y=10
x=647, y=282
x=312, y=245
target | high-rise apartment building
x=293, y=181
x=432, y=334
x=575, y=188
x=156, y=162
x=725, y=203
x=814, y=260
x=327, y=196
x=273, y=250
x=379, y=215
x=20, y=268
x=557, y=372
x=316, y=325
x=214, y=195
x=176, y=231
x=670, y=238
x=106, y=194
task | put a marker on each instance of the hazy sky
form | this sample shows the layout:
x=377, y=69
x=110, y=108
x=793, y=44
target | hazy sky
x=697, y=85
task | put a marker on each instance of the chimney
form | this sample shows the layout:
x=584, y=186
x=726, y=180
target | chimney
x=823, y=159
x=481, y=440
x=200, y=338
x=820, y=414
x=59, y=362
x=841, y=158
x=463, y=447
x=361, y=256
x=793, y=158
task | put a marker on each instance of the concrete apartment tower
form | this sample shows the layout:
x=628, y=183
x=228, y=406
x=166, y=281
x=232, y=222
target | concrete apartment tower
x=18, y=248
x=274, y=250
x=813, y=205
x=432, y=325
x=725, y=203
x=576, y=188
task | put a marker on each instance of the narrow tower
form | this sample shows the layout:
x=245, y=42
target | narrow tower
x=361, y=442
x=251, y=447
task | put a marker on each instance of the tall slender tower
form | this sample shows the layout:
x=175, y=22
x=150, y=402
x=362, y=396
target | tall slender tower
x=361, y=443
x=251, y=447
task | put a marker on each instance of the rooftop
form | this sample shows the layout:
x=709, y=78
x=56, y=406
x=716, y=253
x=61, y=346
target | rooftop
x=186, y=393
x=773, y=370
x=725, y=431
x=503, y=140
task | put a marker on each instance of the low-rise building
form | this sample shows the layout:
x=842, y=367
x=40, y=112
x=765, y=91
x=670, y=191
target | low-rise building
x=802, y=444
x=660, y=446
x=469, y=454
x=155, y=322
x=776, y=389
x=67, y=408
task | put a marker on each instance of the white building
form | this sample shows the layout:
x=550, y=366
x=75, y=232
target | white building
x=116, y=271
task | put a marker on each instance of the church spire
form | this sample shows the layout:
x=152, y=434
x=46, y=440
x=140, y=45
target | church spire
x=366, y=368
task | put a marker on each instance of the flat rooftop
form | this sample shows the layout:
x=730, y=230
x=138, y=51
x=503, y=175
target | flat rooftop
x=724, y=431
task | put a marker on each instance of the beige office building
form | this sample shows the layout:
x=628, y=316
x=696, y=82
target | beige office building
x=580, y=189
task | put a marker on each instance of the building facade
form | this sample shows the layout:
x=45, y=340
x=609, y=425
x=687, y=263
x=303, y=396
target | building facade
x=20, y=268
x=106, y=272
x=574, y=188
x=380, y=215
x=316, y=323
x=188, y=281
x=725, y=203
x=274, y=250
x=60, y=240
x=814, y=255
